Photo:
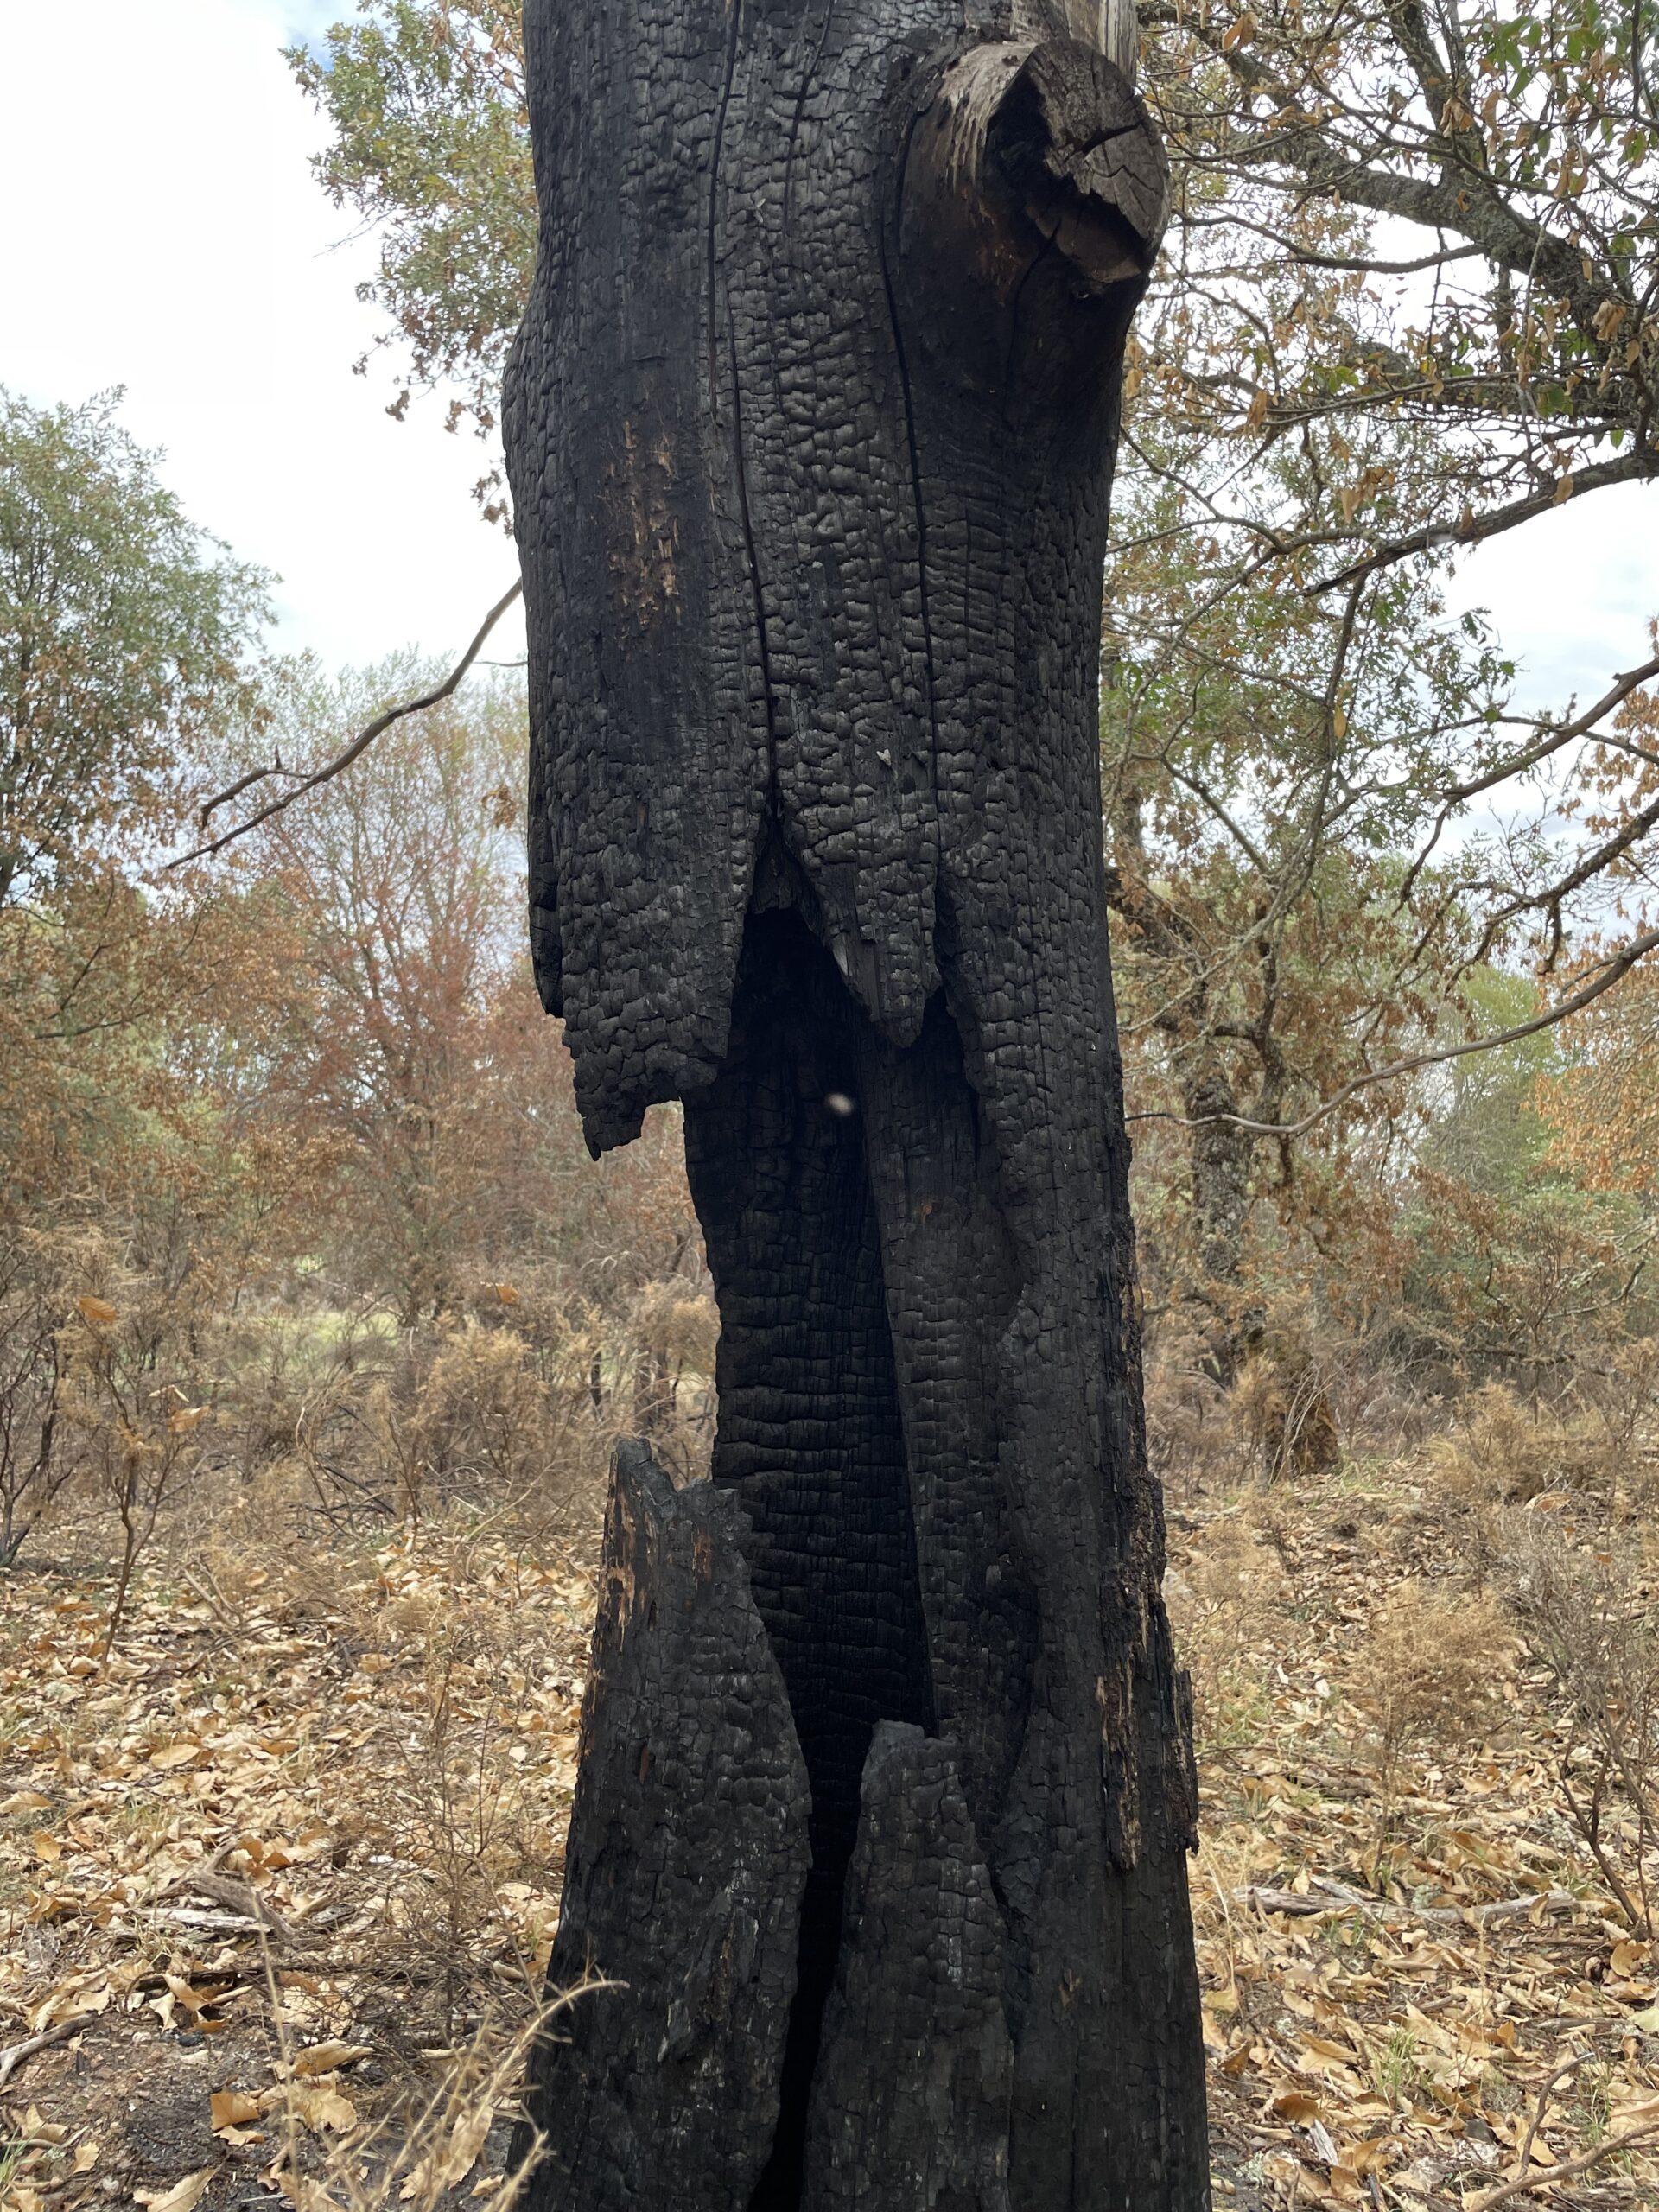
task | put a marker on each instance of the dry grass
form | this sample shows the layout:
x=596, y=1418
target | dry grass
x=1503, y=1450
x=1431, y=1675
x=1584, y=1600
x=1282, y=1402
x=1401, y=1934
x=286, y=1863
x=1222, y=1601
x=1195, y=1444
x=425, y=2157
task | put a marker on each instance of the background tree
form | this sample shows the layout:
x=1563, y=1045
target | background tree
x=431, y=147
x=127, y=645
x=295, y=1112
x=1449, y=215
x=129, y=656
x=1407, y=306
x=419, y=1049
x=1267, y=758
x=1299, y=741
x=402, y=895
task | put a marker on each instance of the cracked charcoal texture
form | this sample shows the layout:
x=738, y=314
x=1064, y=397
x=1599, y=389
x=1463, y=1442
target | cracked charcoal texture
x=910, y=2099
x=810, y=427
x=684, y=1873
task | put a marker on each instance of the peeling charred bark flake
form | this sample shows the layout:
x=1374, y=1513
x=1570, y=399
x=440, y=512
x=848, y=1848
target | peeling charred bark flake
x=886, y=1778
x=684, y=1873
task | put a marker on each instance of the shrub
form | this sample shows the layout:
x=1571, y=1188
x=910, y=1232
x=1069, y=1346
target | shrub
x=481, y=1414
x=1505, y=1452
x=1192, y=1441
x=1220, y=1605
x=1282, y=1399
x=1586, y=1613
x=1431, y=1673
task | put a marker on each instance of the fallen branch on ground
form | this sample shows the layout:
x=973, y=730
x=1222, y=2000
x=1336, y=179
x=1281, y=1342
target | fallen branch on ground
x=237, y=1898
x=13, y=2057
x=1327, y=1896
x=1543, y=2176
x=245, y=1924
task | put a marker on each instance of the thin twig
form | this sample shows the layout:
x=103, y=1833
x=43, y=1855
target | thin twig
x=1543, y=2176
x=359, y=746
x=1546, y=2090
x=14, y=2056
x=1328, y=1897
x=243, y=784
x=1587, y=1821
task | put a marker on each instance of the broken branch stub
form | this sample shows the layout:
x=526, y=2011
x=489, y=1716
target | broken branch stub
x=1033, y=199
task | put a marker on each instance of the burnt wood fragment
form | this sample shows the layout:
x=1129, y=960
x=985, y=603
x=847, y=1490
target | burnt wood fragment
x=684, y=1873
x=910, y=2099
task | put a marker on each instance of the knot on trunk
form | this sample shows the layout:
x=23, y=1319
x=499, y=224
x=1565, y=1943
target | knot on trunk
x=1034, y=196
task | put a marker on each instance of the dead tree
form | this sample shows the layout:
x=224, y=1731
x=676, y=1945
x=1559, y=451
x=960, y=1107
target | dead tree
x=886, y=1781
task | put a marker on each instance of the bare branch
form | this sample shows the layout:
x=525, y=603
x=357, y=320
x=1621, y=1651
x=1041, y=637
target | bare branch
x=1359, y=264
x=359, y=746
x=1605, y=975
x=243, y=784
x=1557, y=734
x=1630, y=468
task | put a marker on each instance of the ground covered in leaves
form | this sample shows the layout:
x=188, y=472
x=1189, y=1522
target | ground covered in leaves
x=278, y=1872
x=1417, y=1988
x=281, y=1872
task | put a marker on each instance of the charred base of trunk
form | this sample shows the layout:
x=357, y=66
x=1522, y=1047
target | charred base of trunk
x=884, y=1911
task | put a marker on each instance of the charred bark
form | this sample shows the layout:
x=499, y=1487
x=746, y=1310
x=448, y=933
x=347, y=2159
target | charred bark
x=810, y=428
x=910, y=2099
x=683, y=1871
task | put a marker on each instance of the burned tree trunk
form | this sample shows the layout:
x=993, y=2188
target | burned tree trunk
x=810, y=428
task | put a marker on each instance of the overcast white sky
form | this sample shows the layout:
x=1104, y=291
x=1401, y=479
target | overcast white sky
x=163, y=231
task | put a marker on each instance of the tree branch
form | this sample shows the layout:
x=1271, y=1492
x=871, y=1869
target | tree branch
x=1562, y=733
x=1608, y=972
x=359, y=746
x=1357, y=265
x=1629, y=468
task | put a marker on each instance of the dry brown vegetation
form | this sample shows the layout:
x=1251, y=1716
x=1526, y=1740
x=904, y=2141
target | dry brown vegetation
x=280, y=1863
x=281, y=1852
x=317, y=1330
x=1405, y=1933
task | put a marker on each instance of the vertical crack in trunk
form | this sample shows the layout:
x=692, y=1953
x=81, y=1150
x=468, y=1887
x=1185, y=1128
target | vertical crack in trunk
x=713, y=227
x=740, y=462
x=811, y=1438
x=896, y=326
